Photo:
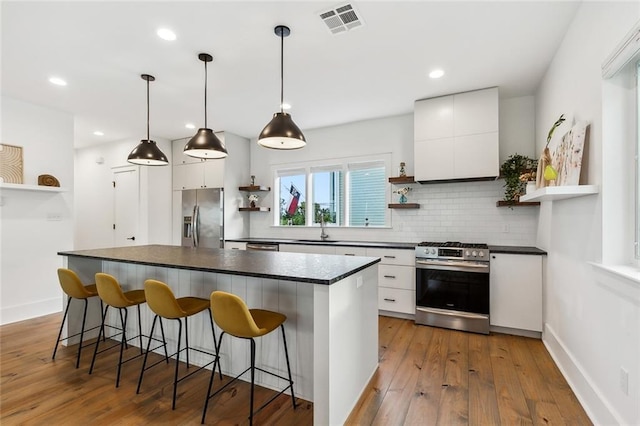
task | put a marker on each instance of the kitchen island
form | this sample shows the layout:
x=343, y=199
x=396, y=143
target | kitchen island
x=330, y=303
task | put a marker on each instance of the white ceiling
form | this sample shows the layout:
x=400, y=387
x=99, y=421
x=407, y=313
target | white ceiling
x=377, y=70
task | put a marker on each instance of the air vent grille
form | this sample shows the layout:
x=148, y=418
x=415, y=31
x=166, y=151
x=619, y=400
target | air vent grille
x=341, y=19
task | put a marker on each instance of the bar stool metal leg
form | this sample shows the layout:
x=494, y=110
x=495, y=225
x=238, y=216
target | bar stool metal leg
x=64, y=318
x=286, y=355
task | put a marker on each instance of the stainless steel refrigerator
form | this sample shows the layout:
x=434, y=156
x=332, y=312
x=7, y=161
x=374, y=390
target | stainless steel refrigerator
x=203, y=218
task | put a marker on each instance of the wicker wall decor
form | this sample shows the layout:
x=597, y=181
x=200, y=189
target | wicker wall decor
x=11, y=167
x=48, y=180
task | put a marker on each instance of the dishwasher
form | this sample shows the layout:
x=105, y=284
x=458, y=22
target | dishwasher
x=263, y=246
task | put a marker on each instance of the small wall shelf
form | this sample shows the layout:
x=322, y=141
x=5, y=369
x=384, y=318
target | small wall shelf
x=503, y=203
x=551, y=193
x=254, y=188
x=401, y=179
x=40, y=188
x=404, y=206
x=255, y=209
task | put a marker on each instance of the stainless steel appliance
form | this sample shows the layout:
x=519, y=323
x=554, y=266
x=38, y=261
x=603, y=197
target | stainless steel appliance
x=452, y=286
x=263, y=246
x=203, y=218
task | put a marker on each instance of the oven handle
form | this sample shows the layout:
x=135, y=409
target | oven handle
x=450, y=266
x=452, y=313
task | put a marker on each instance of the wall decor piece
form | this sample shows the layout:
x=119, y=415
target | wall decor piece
x=48, y=180
x=566, y=155
x=11, y=167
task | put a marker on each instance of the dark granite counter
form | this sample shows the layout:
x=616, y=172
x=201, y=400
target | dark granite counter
x=310, y=242
x=311, y=268
x=517, y=250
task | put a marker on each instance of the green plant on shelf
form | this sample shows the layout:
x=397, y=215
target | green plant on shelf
x=515, y=167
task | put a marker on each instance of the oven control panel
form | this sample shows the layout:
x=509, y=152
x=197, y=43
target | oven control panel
x=458, y=253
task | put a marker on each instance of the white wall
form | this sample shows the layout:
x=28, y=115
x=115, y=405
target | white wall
x=35, y=225
x=449, y=211
x=94, y=211
x=592, y=319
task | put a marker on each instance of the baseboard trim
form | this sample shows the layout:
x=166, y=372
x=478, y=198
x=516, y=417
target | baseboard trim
x=593, y=401
x=10, y=314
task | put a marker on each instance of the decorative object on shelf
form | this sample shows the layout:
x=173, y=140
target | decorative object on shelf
x=205, y=144
x=403, y=194
x=48, y=180
x=253, y=180
x=281, y=132
x=546, y=173
x=147, y=152
x=566, y=155
x=402, y=172
x=529, y=178
x=11, y=165
x=512, y=170
x=253, y=198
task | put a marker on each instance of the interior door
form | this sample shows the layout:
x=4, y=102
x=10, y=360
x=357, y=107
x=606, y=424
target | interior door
x=126, y=200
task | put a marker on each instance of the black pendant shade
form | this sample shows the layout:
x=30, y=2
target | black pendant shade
x=282, y=132
x=147, y=152
x=205, y=144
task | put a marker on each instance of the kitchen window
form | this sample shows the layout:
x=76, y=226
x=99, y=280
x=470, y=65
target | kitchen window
x=349, y=192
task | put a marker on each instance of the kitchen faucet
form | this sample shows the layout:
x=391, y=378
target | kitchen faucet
x=323, y=234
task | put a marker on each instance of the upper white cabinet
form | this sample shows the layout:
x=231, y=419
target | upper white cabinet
x=195, y=173
x=456, y=136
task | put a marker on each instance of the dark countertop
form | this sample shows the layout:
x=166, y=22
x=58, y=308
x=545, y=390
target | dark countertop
x=517, y=250
x=310, y=268
x=310, y=242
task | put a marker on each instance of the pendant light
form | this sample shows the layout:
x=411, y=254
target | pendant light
x=147, y=152
x=205, y=144
x=282, y=132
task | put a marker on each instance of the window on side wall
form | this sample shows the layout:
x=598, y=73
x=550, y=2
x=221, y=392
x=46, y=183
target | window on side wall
x=328, y=195
x=292, y=186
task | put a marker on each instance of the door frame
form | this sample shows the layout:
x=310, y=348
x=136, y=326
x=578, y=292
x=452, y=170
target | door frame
x=125, y=169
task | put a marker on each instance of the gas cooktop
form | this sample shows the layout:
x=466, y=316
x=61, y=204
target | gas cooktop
x=453, y=244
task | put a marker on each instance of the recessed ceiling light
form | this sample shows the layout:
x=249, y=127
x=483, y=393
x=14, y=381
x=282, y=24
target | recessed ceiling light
x=190, y=126
x=286, y=106
x=166, y=34
x=98, y=133
x=57, y=81
x=436, y=73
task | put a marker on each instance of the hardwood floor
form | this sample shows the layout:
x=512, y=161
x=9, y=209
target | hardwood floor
x=433, y=376
x=426, y=376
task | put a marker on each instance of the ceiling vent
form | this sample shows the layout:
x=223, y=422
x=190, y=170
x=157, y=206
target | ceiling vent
x=341, y=19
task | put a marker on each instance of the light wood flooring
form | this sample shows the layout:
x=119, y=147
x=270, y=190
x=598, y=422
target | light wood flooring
x=426, y=376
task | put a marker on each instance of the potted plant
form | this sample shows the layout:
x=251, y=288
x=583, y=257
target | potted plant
x=511, y=170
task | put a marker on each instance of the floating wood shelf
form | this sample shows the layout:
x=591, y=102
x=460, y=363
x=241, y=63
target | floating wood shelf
x=402, y=179
x=551, y=193
x=503, y=203
x=404, y=206
x=255, y=209
x=41, y=188
x=254, y=188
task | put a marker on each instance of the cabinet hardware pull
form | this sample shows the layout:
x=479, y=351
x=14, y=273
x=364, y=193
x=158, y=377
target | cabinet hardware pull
x=390, y=276
x=349, y=254
x=389, y=257
x=389, y=300
x=235, y=248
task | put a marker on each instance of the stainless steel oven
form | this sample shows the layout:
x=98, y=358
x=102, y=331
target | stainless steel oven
x=452, y=286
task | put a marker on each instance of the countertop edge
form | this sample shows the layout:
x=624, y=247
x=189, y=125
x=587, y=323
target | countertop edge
x=517, y=250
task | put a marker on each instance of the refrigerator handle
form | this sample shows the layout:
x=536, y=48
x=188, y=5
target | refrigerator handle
x=196, y=211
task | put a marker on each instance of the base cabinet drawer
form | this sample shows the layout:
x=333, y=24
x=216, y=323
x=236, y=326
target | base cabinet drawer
x=397, y=276
x=397, y=300
x=393, y=256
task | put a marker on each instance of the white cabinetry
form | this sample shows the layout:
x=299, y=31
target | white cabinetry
x=235, y=245
x=195, y=173
x=351, y=251
x=456, y=136
x=396, y=280
x=312, y=249
x=516, y=291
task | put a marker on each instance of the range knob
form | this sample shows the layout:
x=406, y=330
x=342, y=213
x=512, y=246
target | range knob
x=481, y=254
x=474, y=253
x=433, y=251
x=467, y=253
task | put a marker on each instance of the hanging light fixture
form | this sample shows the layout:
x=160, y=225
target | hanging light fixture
x=147, y=152
x=281, y=132
x=205, y=144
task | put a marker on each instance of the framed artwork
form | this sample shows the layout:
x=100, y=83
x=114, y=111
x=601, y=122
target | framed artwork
x=567, y=154
x=11, y=167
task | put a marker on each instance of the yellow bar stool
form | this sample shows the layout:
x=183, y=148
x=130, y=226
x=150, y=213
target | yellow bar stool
x=111, y=294
x=164, y=304
x=74, y=289
x=234, y=318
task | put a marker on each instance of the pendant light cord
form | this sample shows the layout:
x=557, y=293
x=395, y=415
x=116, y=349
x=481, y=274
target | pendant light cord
x=205, y=94
x=281, y=71
x=148, y=138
